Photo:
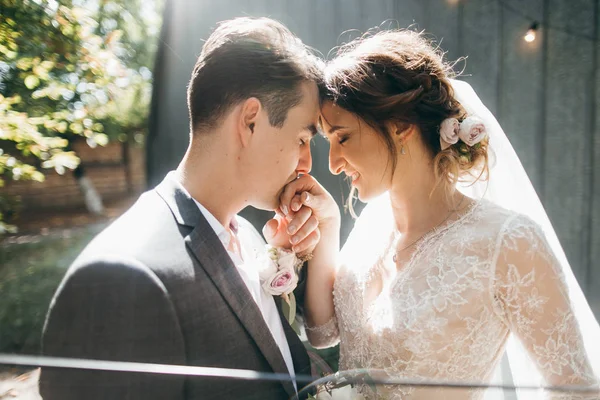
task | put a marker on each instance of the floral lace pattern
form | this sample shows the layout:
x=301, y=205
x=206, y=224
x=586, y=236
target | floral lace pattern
x=447, y=313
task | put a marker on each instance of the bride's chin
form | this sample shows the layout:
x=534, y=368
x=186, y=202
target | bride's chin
x=367, y=195
x=362, y=195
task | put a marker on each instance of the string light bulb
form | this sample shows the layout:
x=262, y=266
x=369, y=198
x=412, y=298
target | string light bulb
x=530, y=35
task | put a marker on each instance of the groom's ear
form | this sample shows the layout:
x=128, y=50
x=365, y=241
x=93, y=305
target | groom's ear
x=248, y=117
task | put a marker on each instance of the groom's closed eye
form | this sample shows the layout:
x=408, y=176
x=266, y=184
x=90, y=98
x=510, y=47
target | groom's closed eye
x=312, y=128
x=313, y=131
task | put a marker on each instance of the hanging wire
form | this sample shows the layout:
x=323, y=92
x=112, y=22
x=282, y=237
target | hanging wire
x=515, y=10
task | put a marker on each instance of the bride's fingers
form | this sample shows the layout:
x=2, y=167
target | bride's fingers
x=279, y=213
x=309, y=243
x=296, y=203
x=316, y=203
x=306, y=199
x=275, y=233
x=304, y=183
x=270, y=228
x=298, y=220
x=301, y=234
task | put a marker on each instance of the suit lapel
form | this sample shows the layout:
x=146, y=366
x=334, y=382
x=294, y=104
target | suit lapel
x=300, y=357
x=213, y=258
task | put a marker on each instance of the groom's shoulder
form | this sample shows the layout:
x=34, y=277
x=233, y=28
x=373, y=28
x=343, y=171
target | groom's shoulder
x=146, y=228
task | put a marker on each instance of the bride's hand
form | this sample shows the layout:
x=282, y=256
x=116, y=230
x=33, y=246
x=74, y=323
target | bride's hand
x=307, y=192
x=300, y=233
x=306, y=208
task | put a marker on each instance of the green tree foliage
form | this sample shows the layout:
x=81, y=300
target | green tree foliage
x=71, y=69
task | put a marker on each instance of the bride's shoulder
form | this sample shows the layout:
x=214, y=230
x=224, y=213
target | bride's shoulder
x=498, y=218
x=507, y=222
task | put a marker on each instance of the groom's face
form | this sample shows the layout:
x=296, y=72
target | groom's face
x=284, y=152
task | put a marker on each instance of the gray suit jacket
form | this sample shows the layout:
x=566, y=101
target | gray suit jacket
x=157, y=286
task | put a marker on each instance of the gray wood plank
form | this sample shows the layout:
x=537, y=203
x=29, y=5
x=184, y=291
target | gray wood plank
x=566, y=158
x=520, y=89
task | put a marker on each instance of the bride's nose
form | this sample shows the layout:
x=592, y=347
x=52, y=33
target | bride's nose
x=336, y=161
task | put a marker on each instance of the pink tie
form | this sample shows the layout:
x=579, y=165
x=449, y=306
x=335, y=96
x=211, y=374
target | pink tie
x=234, y=244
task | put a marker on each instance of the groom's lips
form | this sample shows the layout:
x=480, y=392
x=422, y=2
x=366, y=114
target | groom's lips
x=287, y=183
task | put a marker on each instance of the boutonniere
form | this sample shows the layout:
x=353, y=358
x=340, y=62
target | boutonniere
x=278, y=270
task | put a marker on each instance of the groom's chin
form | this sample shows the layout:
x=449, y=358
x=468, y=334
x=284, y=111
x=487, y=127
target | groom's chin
x=266, y=208
x=267, y=204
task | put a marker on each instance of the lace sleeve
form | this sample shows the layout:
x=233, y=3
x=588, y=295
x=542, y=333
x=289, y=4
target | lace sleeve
x=322, y=336
x=533, y=300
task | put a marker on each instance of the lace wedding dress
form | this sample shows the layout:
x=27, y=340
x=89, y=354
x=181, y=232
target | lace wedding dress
x=493, y=281
x=447, y=313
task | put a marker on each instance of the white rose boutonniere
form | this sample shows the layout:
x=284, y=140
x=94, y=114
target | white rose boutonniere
x=278, y=270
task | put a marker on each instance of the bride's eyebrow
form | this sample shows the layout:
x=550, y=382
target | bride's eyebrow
x=335, y=128
x=332, y=129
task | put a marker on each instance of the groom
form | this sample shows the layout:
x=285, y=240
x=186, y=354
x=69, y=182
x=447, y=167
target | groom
x=169, y=281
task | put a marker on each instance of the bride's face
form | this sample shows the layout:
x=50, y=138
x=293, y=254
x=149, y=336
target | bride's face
x=357, y=150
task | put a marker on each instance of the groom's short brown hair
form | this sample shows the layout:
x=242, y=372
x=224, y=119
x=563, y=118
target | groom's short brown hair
x=249, y=57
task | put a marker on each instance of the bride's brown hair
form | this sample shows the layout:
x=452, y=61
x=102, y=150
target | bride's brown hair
x=399, y=76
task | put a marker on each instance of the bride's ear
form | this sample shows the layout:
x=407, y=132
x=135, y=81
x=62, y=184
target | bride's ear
x=401, y=131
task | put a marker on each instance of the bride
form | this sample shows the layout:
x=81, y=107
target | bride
x=453, y=262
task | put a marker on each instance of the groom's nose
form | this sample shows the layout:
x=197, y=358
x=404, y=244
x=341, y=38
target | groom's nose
x=305, y=161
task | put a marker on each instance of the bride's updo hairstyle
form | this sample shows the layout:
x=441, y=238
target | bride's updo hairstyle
x=399, y=76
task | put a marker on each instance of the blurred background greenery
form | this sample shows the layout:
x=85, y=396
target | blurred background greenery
x=69, y=70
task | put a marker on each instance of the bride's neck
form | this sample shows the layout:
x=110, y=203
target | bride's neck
x=419, y=206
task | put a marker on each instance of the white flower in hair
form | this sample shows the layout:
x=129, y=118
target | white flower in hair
x=449, y=132
x=472, y=130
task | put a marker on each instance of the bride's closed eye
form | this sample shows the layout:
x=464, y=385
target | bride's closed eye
x=344, y=139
